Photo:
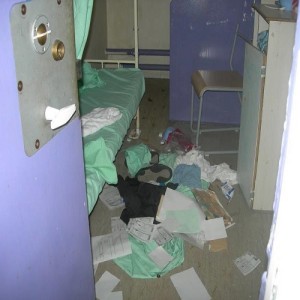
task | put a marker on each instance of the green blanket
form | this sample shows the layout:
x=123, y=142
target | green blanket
x=82, y=10
x=123, y=89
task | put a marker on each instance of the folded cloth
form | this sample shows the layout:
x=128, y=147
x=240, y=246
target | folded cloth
x=157, y=172
x=188, y=175
x=208, y=173
x=90, y=77
x=99, y=118
x=137, y=157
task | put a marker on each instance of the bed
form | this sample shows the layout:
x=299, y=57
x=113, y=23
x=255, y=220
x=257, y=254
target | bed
x=123, y=89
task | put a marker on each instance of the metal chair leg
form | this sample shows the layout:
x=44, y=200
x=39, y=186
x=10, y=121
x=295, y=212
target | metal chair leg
x=199, y=119
x=192, y=111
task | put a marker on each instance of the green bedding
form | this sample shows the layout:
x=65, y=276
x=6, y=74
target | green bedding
x=123, y=89
x=82, y=18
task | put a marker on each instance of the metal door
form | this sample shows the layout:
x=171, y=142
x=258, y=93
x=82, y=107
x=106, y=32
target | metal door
x=44, y=229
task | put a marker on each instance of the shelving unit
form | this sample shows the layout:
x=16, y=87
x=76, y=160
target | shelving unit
x=266, y=78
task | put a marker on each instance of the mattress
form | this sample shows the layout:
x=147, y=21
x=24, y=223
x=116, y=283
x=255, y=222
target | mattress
x=120, y=88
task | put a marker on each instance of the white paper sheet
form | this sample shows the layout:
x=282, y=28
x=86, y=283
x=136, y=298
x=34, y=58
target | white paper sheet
x=213, y=229
x=161, y=257
x=161, y=235
x=184, y=210
x=141, y=228
x=117, y=224
x=170, y=224
x=247, y=263
x=106, y=283
x=115, y=296
x=196, y=239
x=111, y=197
x=110, y=246
x=189, y=286
x=174, y=201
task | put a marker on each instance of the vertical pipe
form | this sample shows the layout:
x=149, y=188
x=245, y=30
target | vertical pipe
x=136, y=42
x=136, y=60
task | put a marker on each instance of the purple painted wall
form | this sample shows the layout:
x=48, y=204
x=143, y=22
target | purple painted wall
x=201, y=36
x=44, y=232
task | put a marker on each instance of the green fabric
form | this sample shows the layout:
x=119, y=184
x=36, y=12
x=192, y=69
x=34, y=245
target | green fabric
x=123, y=89
x=168, y=159
x=82, y=10
x=98, y=169
x=137, y=157
x=90, y=77
x=204, y=184
x=139, y=265
x=185, y=190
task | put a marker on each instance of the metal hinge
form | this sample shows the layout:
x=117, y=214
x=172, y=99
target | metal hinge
x=263, y=71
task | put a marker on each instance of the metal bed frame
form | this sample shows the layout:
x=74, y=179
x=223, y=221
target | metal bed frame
x=134, y=134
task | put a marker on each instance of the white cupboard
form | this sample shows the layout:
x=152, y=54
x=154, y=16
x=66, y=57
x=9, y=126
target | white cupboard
x=266, y=82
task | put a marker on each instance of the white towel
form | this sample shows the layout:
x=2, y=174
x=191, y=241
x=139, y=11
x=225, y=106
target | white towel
x=208, y=173
x=99, y=118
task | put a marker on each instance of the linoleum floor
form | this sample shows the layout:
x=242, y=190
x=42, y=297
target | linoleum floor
x=217, y=271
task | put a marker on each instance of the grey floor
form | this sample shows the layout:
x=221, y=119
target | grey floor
x=216, y=270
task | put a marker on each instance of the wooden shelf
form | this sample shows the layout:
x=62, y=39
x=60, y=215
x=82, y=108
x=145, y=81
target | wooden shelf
x=271, y=13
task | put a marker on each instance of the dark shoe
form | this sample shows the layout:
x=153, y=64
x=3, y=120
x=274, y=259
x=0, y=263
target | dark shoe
x=154, y=157
x=157, y=172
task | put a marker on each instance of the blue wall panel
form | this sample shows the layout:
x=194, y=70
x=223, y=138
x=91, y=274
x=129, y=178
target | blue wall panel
x=45, y=248
x=201, y=37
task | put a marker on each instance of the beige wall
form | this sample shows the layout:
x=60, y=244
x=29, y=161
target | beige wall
x=96, y=43
x=153, y=20
x=112, y=27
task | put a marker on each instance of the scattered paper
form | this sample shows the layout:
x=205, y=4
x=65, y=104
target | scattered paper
x=187, y=213
x=247, y=263
x=117, y=224
x=115, y=296
x=110, y=246
x=106, y=283
x=227, y=190
x=189, y=286
x=213, y=229
x=161, y=257
x=141, y=229
x=174, y=201
x=146, y=220
x=218, y=245
x=196, y=239
x=111, y=197
x=161, y=235
x=170, y=224
x=188, y=220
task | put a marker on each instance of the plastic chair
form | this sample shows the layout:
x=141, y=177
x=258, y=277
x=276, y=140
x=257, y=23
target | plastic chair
x=217, y=81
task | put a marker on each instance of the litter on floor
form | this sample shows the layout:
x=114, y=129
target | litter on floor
x=168, y=199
